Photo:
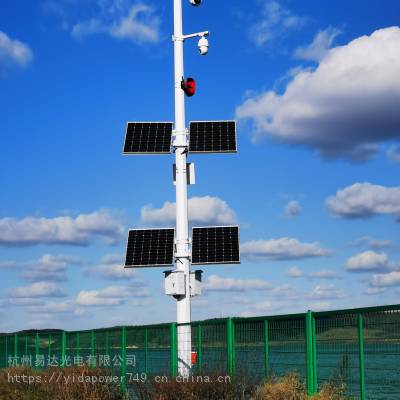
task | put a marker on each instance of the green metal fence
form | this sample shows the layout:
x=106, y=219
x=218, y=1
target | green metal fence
x=358, y=348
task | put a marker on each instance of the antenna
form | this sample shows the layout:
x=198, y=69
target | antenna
x=162, y=247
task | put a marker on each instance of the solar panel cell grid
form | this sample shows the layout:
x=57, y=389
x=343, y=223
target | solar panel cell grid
x=150, y=248
x=215, y=245
x=213, y=137
x=148, y=138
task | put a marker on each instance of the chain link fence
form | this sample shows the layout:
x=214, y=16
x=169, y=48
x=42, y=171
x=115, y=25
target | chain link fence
x=358, y=348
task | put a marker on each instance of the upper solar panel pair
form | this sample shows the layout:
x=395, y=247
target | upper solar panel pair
x=155, y=247
x=205, y=137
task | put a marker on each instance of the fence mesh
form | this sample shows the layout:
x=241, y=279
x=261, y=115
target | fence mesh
x=358, y=349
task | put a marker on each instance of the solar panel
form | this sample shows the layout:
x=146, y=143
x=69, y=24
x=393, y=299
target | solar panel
x=150, y=248
x=215, y=245
x=212, y=137
x=148, y=138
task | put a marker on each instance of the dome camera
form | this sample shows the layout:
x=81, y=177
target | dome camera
x=203, y=46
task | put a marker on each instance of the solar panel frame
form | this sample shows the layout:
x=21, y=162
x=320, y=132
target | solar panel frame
x=232, y=261
x=125, y=152
x=169, y=241
x=226, y=151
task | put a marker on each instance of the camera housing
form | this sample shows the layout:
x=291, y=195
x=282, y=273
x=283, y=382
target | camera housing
x=203, y=46
x=195, y=2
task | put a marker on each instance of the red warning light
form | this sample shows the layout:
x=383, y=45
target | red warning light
x=194, y=357
x=189, y=86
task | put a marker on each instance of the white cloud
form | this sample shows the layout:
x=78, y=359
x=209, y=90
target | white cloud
x=371, y=242
x=324, y=274
x=38, y=289
x=275, y=21
x=326, y=292
x=112, y=268
x=369, y=261
x=8, y=264
x=393, y=154
x=13, y=52
x=281, y=249
x=344, y=107
x=109, y=296
x=319, y=47
x=293, y=209
x=320, y=306
x=113, y=272
x=60, y=230
x=374, y=291
x=137, y=23
x=363, y=200
x=216, y=283
x=201, y=210
x=51, y=307
x=386, y=280
x=294, y=272
x=49, y=268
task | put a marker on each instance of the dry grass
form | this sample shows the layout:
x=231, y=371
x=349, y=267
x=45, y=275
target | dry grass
x=61, y=387
x=291, y=387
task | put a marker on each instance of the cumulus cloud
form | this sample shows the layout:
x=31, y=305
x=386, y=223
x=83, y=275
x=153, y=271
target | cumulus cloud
x=373, y=291
x=201, y=210
x=319, y=47
x=217, y=283
x=109, y=296
x=368, y=241
x=364, y=200
x=112, y=268
x=386, y=280
x=281, y=249
x=274, y=22
x=49, y=268
x=60, y=230
x=293, y=209
x=369, y=261
x=37, y=289
x=294, y=272
x=326, y=292
x=13, y=53
x=324, y=274
x=393, y=154
x=52, y=307
x=120, y=20
x=344, y=107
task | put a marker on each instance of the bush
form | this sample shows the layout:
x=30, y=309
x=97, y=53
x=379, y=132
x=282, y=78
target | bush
x=56, y=384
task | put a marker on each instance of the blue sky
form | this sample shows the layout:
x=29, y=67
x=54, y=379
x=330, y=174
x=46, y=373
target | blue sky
x=315, y=185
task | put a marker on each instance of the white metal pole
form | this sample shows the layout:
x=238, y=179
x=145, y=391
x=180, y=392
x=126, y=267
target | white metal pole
x=182, y=228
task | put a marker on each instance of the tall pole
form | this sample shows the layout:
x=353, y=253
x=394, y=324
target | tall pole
x=182, y=255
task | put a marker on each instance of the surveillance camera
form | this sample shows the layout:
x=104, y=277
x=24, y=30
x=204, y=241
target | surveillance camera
x=203, y=46
x=195, y=2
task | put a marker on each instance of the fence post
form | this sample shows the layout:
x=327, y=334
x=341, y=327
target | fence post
x=123, y=360
x=361, y=349
x=199, y=347
x=77, y=345
x=310, y=379
x=146, y=351
x=63, y=348
x=107, y=344
x=174, y=350
x=7, y=361
x=16, y=348
x=266, y=350
x=314, y=349
x=37, y=349
x=49, y=350
x=92, y=348
x=26, y=347
x=230, y=335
